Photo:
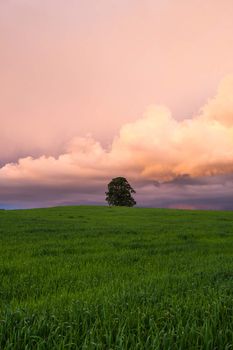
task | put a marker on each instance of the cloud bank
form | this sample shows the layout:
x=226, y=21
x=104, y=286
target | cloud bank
x=155, y=149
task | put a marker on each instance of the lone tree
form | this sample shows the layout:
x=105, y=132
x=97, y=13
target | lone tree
x=119, y=193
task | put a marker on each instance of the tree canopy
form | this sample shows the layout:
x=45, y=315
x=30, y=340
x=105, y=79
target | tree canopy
x=120, y=193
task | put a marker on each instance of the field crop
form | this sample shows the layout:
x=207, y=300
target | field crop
x=116, y=278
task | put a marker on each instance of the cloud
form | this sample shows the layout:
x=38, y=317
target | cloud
x=154, y=149
x=186, y=180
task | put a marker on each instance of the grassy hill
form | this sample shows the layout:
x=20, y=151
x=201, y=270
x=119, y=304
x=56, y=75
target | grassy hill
x=116, y=278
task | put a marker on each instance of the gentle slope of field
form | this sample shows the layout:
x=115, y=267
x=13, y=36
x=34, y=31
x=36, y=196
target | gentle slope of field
x=116, y=278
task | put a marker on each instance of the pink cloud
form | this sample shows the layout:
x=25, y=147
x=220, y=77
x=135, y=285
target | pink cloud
x=71, y=67
x=155, y=147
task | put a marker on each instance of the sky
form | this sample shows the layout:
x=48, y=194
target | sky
x=91, y=90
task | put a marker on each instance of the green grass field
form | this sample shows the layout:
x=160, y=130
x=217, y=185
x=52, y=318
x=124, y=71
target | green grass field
x=116, y=278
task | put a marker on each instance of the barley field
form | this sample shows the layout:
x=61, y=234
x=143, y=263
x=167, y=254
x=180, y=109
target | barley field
x=116, y=278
